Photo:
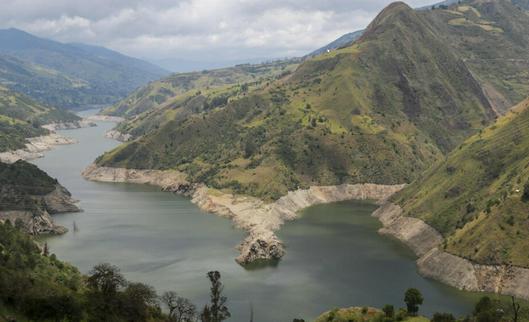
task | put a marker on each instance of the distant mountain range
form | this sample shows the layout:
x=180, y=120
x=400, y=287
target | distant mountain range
x=69, y=75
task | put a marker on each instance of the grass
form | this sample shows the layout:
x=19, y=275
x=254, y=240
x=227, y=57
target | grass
x=474, y=197
x=501, y=67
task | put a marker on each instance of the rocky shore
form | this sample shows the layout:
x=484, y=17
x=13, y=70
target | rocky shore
x=39, y=221
x=69, y=125
x=261, y=220
x=35, y=147
x=450, y=269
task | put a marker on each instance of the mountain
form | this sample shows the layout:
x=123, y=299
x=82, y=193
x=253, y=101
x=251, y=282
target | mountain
x=492, y=38
x=69, y=75
x=343, y=41
x=380, y=110
x=478, y=197
x=22, y=117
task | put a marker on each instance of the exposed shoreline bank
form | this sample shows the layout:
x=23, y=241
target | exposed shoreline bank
x=39, y=221
x=261, y=221
x=35, y=146
x=433, y=262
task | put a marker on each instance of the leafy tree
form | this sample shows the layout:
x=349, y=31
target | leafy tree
x=389, y=311
x=57, y=308
x=105, y=278
x=217, y=310
x=137, y=301
x=104, y=282
x=413, y=298
x=180, y=309
x=486, y=311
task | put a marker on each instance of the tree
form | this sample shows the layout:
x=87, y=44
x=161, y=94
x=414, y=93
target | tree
x=413, y=298
x=443, y=317
x=137, y=300
x=486, y=311
x=217, y=310
x=105, y=278
x=389, y=311
x=104, y=282
x=180, y=309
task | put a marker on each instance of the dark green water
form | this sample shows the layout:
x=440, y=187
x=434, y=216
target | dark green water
x=334, y=258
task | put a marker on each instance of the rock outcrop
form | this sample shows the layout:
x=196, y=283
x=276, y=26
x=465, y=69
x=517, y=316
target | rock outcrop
x=38, y=221
x=34, y=223
x=450, y=269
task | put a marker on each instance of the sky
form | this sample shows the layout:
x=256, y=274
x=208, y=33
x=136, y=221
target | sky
x=175, y=33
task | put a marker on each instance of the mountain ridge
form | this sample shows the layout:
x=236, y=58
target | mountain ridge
x=69, y=75
x=379, y=107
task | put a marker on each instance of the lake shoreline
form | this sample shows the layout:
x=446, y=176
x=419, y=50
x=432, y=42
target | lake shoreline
x=261, y=221
x=433, y=262
x=36, y=146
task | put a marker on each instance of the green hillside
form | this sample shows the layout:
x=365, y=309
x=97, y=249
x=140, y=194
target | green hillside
x=167, y=91
x=492, y=38
x=21, y=117
x=69, y=75
x=381, y=110
x=478, y=198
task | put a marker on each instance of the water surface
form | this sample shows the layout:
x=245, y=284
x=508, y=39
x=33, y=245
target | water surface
x=335, y=258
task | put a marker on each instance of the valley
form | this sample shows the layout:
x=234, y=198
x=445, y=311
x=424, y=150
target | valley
x=175, y=240
x=387, y=167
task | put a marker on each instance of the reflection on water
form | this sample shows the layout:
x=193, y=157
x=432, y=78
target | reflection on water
x=334, y=255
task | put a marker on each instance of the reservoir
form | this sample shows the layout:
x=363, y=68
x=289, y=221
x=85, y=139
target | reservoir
x=335, y=257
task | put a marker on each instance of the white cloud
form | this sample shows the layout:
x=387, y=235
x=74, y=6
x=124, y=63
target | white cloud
x=224, y=30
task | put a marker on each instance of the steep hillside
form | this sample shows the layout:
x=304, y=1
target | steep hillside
x=21, y=118
x=492, y=37
x=69, y=75
x=381, y=111
x=478, y=198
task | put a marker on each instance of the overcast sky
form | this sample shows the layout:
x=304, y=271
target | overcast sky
x=195, y=30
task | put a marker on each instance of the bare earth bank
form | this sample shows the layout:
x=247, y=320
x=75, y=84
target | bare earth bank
x=262, y=221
